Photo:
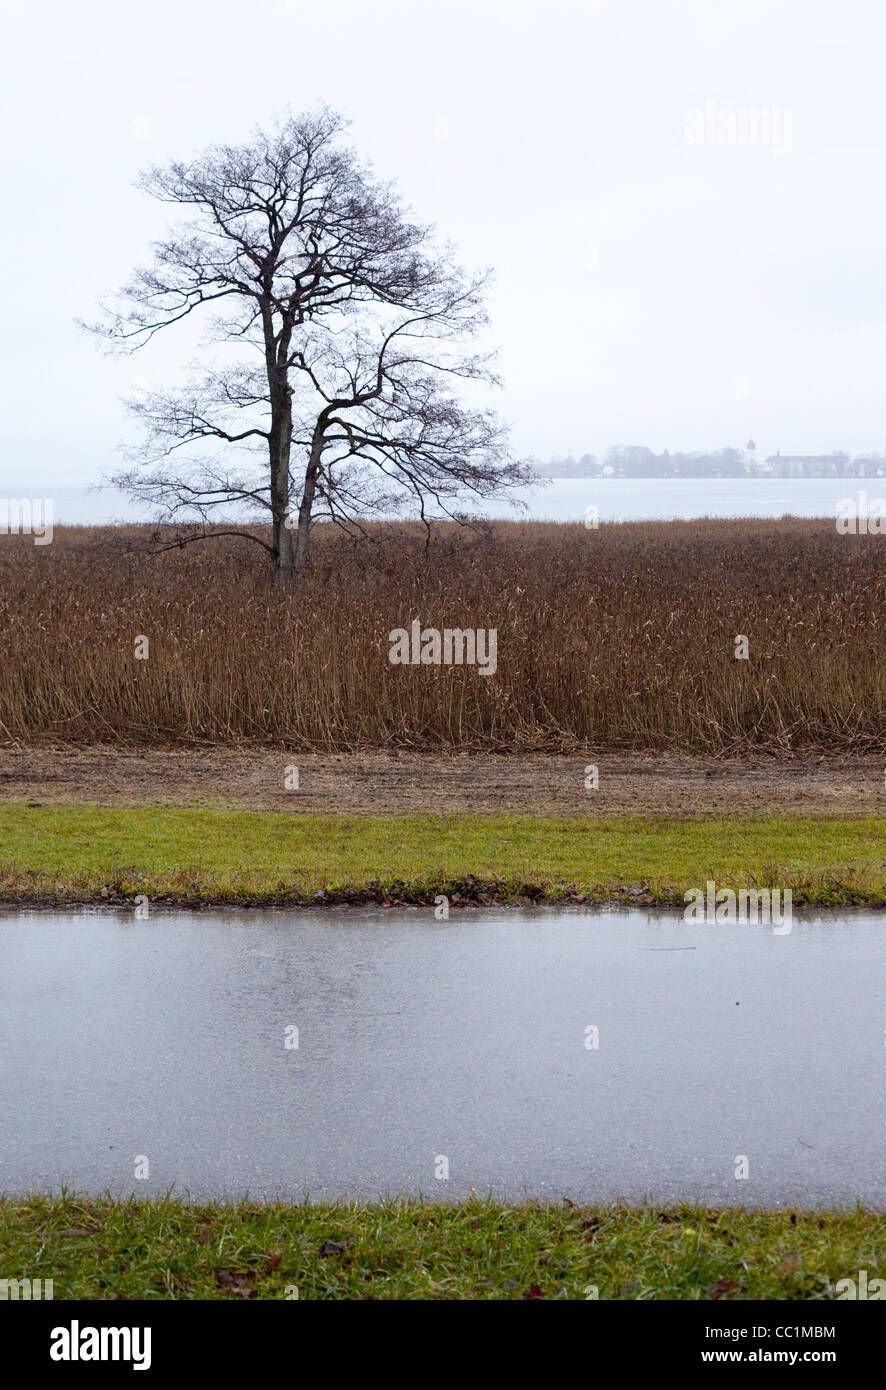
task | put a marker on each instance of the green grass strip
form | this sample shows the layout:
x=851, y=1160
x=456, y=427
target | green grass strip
x=85, y=853
x=477, y=1249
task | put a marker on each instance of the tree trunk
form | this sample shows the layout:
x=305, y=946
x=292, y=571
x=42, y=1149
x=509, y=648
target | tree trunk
x=280, y=445
x=305, y=511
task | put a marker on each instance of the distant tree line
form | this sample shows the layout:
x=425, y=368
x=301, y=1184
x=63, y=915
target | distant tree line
x=636, y=461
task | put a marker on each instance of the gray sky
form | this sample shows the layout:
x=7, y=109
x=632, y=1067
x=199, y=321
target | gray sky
x=649, y=289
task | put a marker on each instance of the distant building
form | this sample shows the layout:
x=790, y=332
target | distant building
x=781, y=465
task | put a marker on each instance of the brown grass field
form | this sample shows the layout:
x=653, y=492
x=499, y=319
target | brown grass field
x=621, y=638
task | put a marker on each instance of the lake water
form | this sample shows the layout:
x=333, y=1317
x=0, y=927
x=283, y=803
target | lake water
x=165, y=1040
x=567, y=499
x=650, y=499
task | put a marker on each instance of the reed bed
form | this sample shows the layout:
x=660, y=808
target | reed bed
x=619, y=638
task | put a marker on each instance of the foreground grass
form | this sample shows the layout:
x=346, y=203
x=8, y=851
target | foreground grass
x=478, y=1249
x=90, y=853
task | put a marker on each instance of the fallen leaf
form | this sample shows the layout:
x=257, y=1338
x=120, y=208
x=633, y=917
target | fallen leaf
x=333, y=1247
x=722, y=1287
x=236, y=1282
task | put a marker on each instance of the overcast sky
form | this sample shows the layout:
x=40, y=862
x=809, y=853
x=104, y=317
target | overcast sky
x=649, y=288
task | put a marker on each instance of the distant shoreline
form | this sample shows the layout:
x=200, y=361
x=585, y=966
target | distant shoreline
x=708, y=477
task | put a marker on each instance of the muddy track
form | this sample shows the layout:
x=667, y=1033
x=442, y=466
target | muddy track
x=386, y=783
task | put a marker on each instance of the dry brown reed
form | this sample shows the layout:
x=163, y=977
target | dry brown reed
x=619, y=638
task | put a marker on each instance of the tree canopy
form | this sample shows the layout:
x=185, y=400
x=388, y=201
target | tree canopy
x=340, y=332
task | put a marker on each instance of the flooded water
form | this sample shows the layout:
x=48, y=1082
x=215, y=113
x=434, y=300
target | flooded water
x=465, y=1046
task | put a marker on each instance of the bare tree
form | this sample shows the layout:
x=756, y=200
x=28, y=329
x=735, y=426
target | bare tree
x=340, y=328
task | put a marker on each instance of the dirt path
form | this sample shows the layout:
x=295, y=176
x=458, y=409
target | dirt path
x=387, y=782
